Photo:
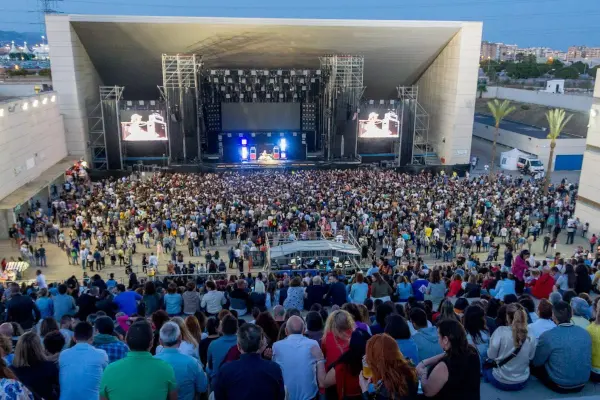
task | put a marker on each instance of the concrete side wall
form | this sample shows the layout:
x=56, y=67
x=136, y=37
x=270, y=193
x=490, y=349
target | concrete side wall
x=538, y=147
x=31, y=140
x=588, y=203
x=447, y=91
x=21, y=89
x=566, y=101
x=75, y=79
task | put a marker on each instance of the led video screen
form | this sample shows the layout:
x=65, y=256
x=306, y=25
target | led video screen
x=260, y=116
x=143, y=125
x=376, y=127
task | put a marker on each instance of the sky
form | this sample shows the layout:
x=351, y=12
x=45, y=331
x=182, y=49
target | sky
x=550, y=23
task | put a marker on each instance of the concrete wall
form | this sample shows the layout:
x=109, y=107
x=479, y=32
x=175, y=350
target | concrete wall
x=566, y=101
x=447, y=91
x=31, y=140
x=10, y=89
x=75, y=79
x=528, y=144
x=588, y=201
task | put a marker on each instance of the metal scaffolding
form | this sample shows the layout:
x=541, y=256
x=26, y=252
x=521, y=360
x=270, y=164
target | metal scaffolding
x=344, y=77
x=422, y=151
x=180, y=73
x=96, y=128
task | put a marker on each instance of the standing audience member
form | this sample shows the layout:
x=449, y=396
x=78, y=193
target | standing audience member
x=126, y=300
x=563, y=358
x=21, y=309
x=191, y=379
x=250, y=377
x=138, y=376
x=81, y=366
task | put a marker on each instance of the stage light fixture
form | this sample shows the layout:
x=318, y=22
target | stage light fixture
x=141, y=102
x=244, y=153
x=253, y=72
x=283, y=144
x=240, y=72
x=25, y=106
x=244, y=142
x=36, y=103
x=266, y=72
x=152, y=102
x=381, y=102
x=318, y=72
x=279, y=72
x=213, y=72
x=283, y=155
x=227, y=72
x=45, y=100
x=1, y=112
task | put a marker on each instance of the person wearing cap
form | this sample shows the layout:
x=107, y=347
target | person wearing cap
x=581, y=311
x=460, y=306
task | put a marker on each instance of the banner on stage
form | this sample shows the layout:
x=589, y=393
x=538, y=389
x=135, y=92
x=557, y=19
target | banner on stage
x=374, y=127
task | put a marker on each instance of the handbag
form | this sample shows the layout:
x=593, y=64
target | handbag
x=490, y=364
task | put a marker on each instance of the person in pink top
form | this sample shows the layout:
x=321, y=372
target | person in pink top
x=518, y=269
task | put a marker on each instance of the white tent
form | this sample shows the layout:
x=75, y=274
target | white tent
x=508, y=159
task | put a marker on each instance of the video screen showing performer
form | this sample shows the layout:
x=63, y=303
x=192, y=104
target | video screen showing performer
x=140, y=125
x=374, y=127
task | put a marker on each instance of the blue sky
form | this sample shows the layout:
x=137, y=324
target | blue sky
x=552, y=23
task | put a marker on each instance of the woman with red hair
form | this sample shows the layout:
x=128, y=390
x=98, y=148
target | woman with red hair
x=392, y=376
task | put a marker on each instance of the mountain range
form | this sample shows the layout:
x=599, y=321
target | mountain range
x=19, y=37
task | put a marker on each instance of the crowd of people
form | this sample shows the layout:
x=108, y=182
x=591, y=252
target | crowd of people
x=399, y=329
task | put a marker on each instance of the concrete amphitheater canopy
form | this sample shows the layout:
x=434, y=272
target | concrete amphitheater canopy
x=126, y=51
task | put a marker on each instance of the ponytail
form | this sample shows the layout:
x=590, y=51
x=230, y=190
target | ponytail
x=517, y=317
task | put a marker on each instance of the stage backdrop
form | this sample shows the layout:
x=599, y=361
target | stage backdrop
x=248, y=117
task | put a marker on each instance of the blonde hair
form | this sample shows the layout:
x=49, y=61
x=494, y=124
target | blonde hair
x=185, y=332
x=340, y=323
x=517, y=318
x=29, y=351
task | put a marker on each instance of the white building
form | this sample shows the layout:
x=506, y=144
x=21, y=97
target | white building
x=588, y=199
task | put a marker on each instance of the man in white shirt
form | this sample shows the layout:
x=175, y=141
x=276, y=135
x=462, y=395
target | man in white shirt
x=293, y=354
x=213, y=300
x=153, y=260
x=544, y=322
x=40, y=280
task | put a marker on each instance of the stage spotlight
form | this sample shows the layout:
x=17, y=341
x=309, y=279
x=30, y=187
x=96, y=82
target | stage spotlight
x=283, y=144
x=53, y=99
x=36, y=103
x=1, y=112
x=45, y=100
x=25, y=106
x=244, y=142
x=244, y=153
x=283, y=155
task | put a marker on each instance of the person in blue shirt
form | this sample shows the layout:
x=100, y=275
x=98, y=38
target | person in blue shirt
x=403, y=289
x=504, y=286
x=81, y=366
x=420, y=287
x=397, y=327
x=173, y=301
x=64, y=304
x=191, y=379
x=359, y=290
x=45, y=304
x=219, y=348
x=126, y=300
x=111, y=283
x=374, y=268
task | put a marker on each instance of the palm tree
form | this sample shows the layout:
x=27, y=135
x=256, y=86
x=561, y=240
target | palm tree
x=557, y=120
x=481, y=87
x=499, y=111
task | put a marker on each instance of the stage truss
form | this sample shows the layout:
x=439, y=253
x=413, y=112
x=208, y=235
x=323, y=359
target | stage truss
x=422, y=151
x=97, y=130
x=180, y=74
x=344, y=74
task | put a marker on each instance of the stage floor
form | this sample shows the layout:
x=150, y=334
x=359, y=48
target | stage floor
x=283, y=164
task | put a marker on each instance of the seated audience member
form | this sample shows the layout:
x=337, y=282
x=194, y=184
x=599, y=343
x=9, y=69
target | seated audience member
x=250, y=377
x=544, y=285
x=279, y=315
x=477, y=332
x=214, y=300
x=54, y=343
x=293, y=354
x=511, y=349
x=504, y=287
x=594, y=330
x=33, y=369
x=139, y=375
x=453, y=374
x=425, y=337
x=397, y=328
x=563, y=356
x=544, y=322
x=212, y=330
x=393, y=377
x=381, y=314
x=106, y=340
x=581, y=310
x=218, y=349
x=10, y=386
x=81, y=366
x=315, y=293
x=314, y=326
x=191, y=379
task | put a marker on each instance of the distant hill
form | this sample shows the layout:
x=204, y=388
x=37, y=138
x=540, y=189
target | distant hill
x=20, y=37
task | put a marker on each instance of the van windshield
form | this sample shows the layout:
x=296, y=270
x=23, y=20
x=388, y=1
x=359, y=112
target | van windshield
x=536, y=163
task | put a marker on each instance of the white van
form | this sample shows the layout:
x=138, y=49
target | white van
x=530, y=164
